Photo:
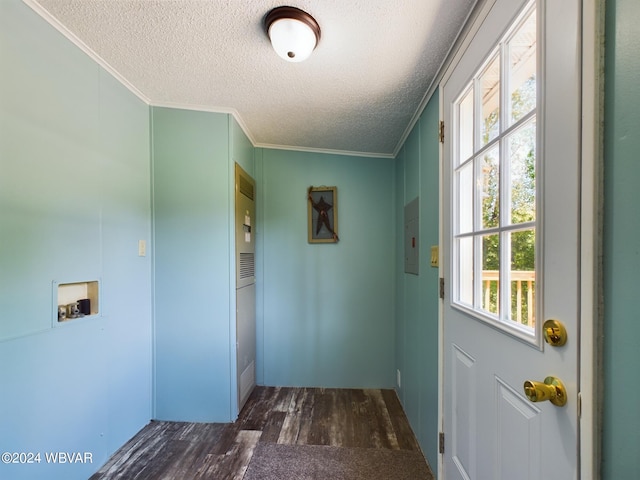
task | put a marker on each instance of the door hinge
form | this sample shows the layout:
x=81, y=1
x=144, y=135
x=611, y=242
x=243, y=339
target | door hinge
x=441, y=131
x=442, y=288
x=441, y=442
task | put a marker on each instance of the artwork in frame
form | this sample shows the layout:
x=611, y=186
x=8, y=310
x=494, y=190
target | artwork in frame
x=323, y=214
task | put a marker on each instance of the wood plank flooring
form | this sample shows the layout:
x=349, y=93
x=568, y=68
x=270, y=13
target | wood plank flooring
x=351, y=418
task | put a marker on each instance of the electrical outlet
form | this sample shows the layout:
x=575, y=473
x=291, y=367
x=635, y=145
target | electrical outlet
x=142, y=248
x=399, y=378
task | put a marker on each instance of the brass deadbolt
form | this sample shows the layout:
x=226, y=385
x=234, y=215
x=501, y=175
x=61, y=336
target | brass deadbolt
x=555, y=334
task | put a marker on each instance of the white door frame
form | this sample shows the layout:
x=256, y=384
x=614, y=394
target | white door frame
x=593, y=13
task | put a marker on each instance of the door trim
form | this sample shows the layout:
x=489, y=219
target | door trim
x=590, y=376
x=593, y=16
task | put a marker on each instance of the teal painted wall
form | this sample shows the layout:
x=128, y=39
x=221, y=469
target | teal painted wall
x=74, y=201
x=193, y=303
x=413, y=342
x=326, y=314
x=241, y=149
x=429, y=301
x=621, y=435
x=417, y=320
x=399, y=275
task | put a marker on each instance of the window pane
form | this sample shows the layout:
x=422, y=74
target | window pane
x=465, y=270
x=491, y=274
x=465, y=114
x=522, y=161
x=522, y=276
x=465, y=198
x=490, y=101
x=522, y=65
x=490, y=185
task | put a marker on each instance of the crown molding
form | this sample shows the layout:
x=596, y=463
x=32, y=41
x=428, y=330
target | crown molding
x=348, y=153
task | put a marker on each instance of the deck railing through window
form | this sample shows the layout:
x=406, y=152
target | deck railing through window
x=522, y=295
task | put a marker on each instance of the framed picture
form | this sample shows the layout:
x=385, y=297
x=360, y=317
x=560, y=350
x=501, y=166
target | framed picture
x=323, y=214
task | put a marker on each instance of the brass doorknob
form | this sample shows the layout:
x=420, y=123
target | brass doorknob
x=552, y=389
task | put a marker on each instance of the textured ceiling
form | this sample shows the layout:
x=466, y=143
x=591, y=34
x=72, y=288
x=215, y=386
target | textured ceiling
x=359, y=91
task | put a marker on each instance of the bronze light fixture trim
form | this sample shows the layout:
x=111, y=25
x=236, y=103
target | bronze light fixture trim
x=294, y=33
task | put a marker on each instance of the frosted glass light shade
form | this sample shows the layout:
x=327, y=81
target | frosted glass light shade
x=292, y=40
x=293, y=33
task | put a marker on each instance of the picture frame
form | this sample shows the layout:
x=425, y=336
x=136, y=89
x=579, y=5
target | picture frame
x=322, y=213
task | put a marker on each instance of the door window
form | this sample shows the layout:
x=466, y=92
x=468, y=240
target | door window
x=495, y=184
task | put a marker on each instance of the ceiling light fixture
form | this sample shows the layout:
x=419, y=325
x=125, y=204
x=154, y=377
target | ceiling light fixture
x=293, y=33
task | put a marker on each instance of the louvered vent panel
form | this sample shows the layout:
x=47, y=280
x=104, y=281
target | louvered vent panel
x=246, y=188
x=247, y=265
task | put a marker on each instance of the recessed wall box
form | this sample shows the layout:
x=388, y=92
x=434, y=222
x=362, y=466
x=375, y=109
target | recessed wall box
x=75, y=300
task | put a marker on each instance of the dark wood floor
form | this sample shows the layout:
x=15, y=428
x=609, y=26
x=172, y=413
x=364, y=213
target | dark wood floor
x=292, y=416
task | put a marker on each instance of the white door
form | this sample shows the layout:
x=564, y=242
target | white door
x=511, y=225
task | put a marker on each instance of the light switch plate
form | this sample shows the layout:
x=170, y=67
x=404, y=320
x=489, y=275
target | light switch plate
x=435, y=255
